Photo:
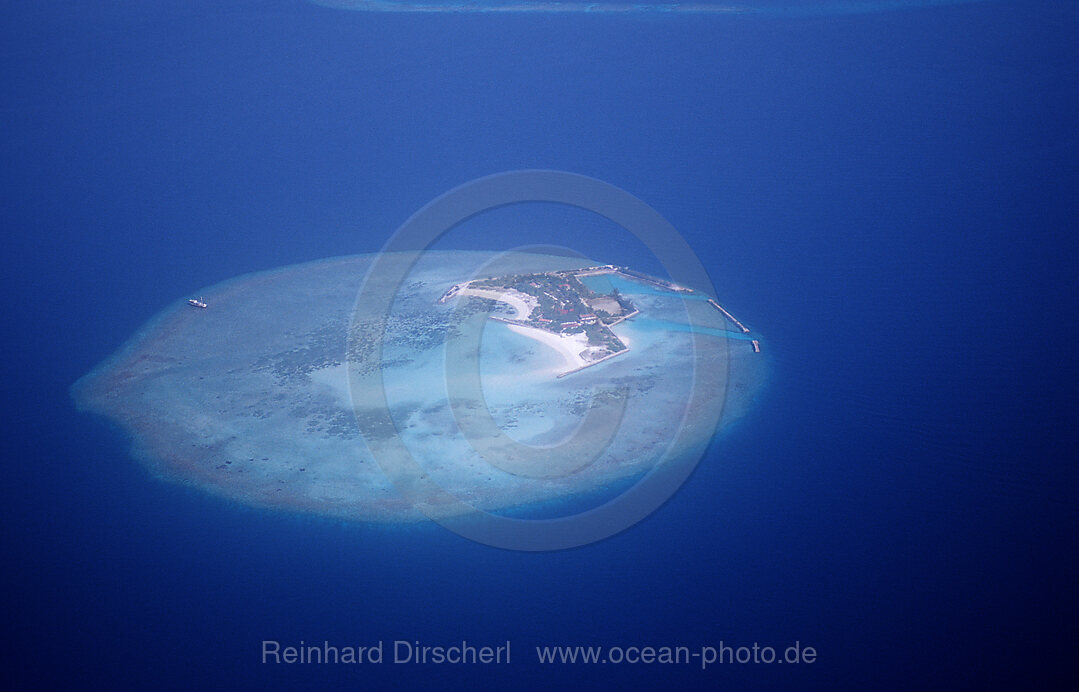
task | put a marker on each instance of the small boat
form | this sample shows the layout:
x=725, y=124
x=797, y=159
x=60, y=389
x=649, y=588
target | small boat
x=196, y=303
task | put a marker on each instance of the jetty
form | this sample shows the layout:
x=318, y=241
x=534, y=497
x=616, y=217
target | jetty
x=631, y=274
x=623, y=318
x=594, y=362
x=651, y=280
x=596, y=271
x=729, y=316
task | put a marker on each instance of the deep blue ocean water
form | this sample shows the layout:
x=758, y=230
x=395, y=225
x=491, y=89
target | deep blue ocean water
x=888, y=197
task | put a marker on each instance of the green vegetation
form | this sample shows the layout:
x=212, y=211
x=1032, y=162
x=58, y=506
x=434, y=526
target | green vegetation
x=565, y=305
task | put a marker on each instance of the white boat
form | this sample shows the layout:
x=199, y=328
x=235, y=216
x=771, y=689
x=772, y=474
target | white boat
x=196, y=303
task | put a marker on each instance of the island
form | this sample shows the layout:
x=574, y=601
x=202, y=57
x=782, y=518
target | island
x=558, y=309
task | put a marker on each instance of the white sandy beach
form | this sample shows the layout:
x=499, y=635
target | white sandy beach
x=521, y=302
x=570, y=347
x=573, y=348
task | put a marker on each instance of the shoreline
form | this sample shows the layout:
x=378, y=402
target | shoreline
x=575, y=349
x=522, y=303
x=569, y=347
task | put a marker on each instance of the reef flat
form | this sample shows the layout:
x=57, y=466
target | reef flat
x=249, y=398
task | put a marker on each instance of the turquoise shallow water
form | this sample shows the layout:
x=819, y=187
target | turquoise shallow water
x=652, y=324
x=250, y=398
x=670, y=303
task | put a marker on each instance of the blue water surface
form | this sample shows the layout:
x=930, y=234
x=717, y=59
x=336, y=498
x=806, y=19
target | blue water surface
x=887, y=197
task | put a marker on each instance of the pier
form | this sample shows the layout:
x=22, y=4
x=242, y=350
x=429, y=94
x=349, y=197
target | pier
x=595, y=362
x=519, y=323
x=729, y=316
x=623, y=318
